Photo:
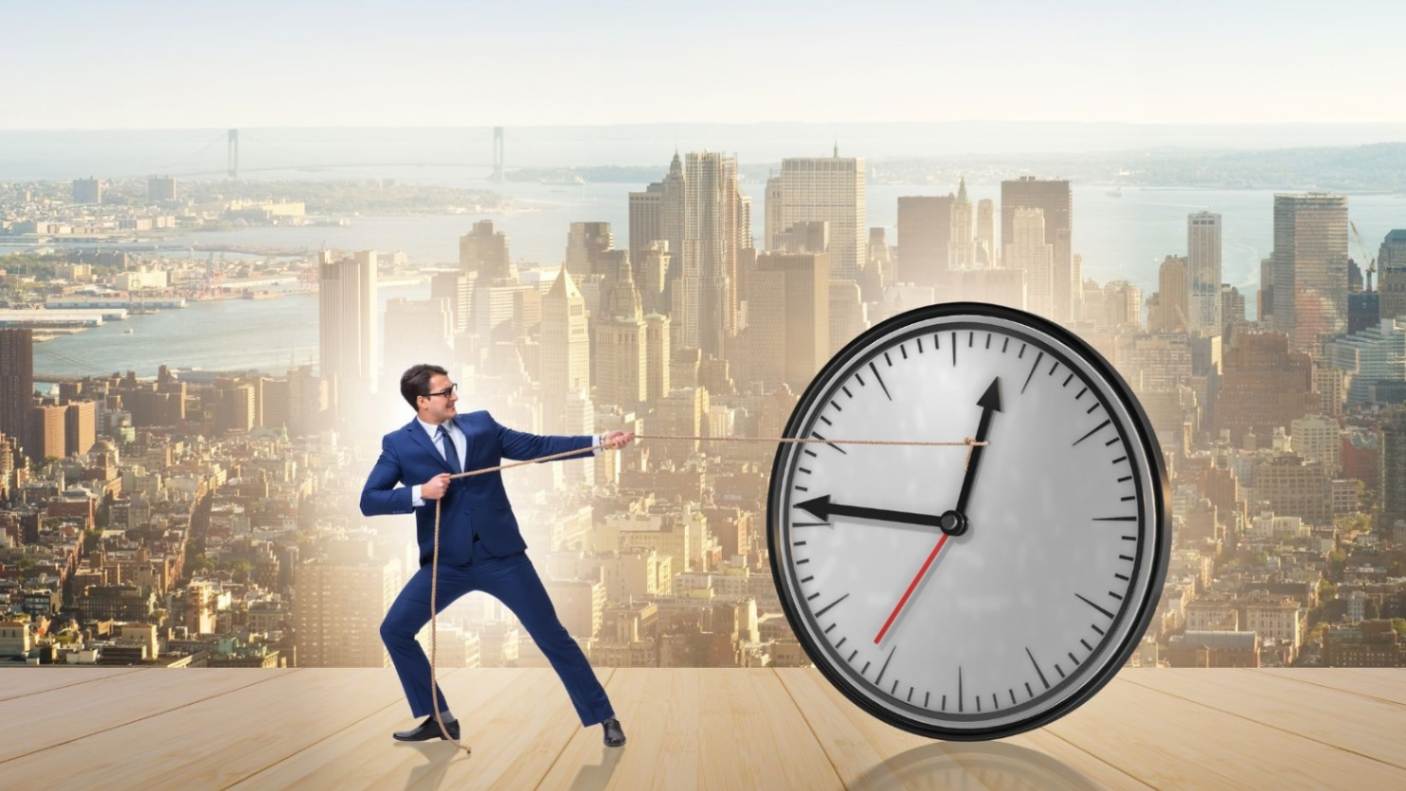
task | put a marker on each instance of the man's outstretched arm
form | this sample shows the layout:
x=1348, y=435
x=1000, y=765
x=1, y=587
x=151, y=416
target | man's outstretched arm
x=380, y=495
x=523, y=445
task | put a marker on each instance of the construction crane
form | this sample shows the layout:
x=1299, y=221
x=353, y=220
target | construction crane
x=1366, y=255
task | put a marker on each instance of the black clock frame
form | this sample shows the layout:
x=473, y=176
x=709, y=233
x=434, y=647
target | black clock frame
x=1160, y=493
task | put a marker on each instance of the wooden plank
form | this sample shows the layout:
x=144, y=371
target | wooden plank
x=75, y=712
x=219, y=741
x=1170, y=742
x=698, y=728
x=1382, y=683
x=363, y=755
x=1357, y=724
x=868, y=753
x=17, y=682
x=516, y=734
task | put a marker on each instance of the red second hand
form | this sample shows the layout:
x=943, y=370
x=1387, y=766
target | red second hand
x=909, y=592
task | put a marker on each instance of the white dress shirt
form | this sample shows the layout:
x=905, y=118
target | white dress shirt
x=461, y=446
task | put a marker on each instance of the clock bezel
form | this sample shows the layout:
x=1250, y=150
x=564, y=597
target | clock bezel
x=1159, y=550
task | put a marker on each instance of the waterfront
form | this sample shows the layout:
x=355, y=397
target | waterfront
x=1119, y=237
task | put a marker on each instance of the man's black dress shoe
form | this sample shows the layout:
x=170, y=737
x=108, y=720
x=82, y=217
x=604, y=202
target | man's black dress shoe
x=614, y=734
x=429, y=729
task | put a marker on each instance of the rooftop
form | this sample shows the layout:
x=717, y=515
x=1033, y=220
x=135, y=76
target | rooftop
x=154, y=728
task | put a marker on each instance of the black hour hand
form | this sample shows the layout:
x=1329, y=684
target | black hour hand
x=822, y=509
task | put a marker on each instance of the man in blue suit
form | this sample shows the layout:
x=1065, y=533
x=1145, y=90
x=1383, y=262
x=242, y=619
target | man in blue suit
x=480, y=547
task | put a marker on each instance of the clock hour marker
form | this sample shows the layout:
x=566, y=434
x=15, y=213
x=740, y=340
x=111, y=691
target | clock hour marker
x=827, y=607
x=1081, y=394
x=1115, y=519
x=920, y=345
x=971, y=338
x=903, y=349
x=1004, y=344
x=960, y=697
x=988, y=340
x=1033, y=366
x=1092, y=432
x=954, y=348
x=1066, y=380
x=885, y=668
x=881, y=379
x=1095, y=606
x=887, y=359
x=1038, y=671
x=821, y=437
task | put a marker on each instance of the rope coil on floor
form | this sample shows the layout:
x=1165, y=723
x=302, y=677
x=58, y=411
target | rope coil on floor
x=967, y=443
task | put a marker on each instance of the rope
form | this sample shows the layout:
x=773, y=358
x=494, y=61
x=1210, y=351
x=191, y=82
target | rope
x=967, y=443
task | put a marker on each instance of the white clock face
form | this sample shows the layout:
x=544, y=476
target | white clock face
x=976, y=614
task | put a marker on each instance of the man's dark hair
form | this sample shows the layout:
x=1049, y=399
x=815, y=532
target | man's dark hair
x=416, y=382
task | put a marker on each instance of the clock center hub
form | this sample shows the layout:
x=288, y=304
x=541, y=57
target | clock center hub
x=953, y=523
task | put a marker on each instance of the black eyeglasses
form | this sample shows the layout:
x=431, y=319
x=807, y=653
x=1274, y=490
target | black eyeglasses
x=453, y=389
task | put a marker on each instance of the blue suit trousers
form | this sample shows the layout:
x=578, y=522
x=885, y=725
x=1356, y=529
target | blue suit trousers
x=513, y=581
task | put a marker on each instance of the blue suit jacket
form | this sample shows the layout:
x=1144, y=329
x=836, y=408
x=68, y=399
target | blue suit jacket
x=472, y=506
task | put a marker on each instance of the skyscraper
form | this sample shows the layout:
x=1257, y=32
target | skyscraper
x=456, y=288
x=710, y=251
x=789, y=337
x=1309, y=263
x=16, y=382
x=1203, y=255
x=565, y=354
x=1393, y=482
x=620, y=344
x=986, y=250
x=831, y=189
x=1054, y=199
x=586, y=243
x=924, y=238
x=1027, y=250
x=1170, y=312
x=347, y=323
x=484, y=251
x=1391, y=271
x=963, y=254
x=646, y=222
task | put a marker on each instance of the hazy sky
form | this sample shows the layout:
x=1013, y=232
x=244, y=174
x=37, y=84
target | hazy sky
x=195, y=64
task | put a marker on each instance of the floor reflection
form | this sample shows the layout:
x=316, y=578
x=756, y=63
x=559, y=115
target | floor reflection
x=977, y=766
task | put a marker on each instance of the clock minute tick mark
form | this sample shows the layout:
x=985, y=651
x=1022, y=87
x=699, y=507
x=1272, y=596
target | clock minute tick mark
x=880, y=378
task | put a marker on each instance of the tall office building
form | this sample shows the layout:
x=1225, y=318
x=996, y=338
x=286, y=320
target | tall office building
x=1391, y=275
x=1053, y=198
x=16, y=382
x=657, y=356
x=709, y=251
x=1392, y=440
x=771, y=214
x=484, y=250
x=1028, y=250
x=924, y=238
x=646, y=222
x=586, y=246
x=1203, y=257
x=46, y=432
x=342, y=598
x=620, y=352
x=651, y=276
x=457, y=289
x=830, y=189
x=1309, y=263
x=347, y=331
x=1169, y=314
x=565, y=352
x=986, y=250
x=80, y=427
x=963, y=255
x=674, y=224
x=789, y=334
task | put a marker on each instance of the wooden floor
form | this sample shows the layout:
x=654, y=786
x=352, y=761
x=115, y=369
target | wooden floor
x=687, y=728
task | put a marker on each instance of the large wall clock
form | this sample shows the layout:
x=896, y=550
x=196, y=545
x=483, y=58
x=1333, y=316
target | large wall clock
x=969, y=592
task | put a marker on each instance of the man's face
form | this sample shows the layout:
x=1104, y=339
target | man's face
x=438, y=408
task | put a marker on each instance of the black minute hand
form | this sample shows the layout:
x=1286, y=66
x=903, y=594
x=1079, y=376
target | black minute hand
x=822, y=508
x=989, y=402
